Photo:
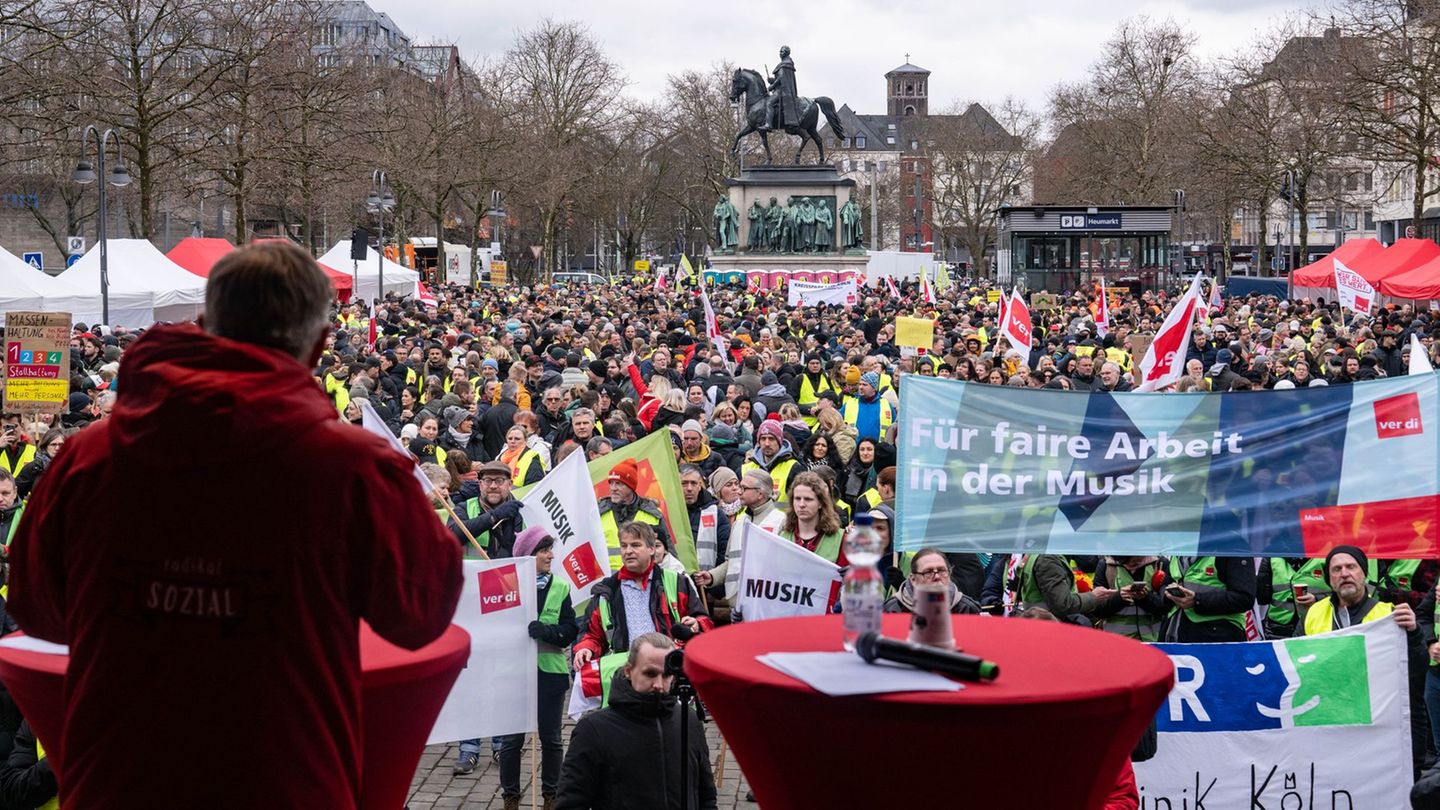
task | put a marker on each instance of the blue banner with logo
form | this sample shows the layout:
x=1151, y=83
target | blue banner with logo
x=1317, y=721
x=1252, y=473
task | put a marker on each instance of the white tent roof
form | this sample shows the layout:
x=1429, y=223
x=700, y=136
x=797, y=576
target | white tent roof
x=145, y=286
x=399, y=279
x=23, y=288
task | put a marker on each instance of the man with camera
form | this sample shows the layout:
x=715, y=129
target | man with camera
x=615, y=757
x=640, y=598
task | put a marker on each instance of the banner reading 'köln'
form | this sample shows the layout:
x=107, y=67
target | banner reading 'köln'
x=1256, y=473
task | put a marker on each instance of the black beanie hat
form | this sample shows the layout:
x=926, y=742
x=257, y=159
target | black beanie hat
x=1353, y=552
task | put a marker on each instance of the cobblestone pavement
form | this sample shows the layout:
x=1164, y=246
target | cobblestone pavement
x=436, y=787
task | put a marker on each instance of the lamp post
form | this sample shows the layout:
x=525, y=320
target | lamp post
x=380, y=202
x=874, y=215
x=86, y=174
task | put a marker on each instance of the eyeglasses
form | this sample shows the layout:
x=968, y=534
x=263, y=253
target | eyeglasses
x=933, y=573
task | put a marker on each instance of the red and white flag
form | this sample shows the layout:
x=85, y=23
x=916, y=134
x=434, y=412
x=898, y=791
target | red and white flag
x=1216, y=305
x=426, y=297
x=894, y=292
x=1164, y=361
x=712, y=325
x=1015, y=327
x=660, y=282
x=927, y=291
x=1102, y=312
x=1354, y=291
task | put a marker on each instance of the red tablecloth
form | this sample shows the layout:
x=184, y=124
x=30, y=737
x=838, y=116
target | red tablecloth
x=1051, y=731
x=401, y=695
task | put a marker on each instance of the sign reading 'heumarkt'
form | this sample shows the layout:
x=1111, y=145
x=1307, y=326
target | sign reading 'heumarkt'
x=1091, y=222
x=37, y=361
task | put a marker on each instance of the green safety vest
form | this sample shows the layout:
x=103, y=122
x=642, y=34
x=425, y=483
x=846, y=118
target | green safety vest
x=1200, y=577
x=1400, y=574
x=612, y=533
x=613, y=661
x=1132, y=620
x=1283, y=576
x=828, y=547
x=1030, y=594
x=472, y=511
x=779, y=474
x=869, y=499
x=551, y=658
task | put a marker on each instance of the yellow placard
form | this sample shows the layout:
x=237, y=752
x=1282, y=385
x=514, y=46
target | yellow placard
x=917, y=333
x=37, y=361
x=499, y=271
x=992, y=295
x=642, y=265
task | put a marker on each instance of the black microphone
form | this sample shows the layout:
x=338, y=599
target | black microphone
x=872, y=647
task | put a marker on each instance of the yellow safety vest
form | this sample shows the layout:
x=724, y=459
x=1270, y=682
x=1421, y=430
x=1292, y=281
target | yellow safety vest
x=26, y=456
x=1321, y=616
x=809, y=395
x=612, y=533
x=851, y=412
x=528, y=459
x=779, y=474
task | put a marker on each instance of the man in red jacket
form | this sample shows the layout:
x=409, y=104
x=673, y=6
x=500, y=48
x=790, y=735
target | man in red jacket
x=208, y=553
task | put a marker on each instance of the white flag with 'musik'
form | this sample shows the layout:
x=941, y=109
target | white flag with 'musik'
x=779, y=579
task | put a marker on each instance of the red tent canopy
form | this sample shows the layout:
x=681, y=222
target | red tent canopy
x=343, y=283
x=1405, y=254
x=199, y=255
x=1418, y=283
x=1321, y=273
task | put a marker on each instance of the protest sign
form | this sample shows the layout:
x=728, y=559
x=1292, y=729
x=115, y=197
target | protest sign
x=659, y=480
x=915, y=334
x=1043, y=302
x=809, y=294
x=496, y=691
x=37, y=362
x=562, y=504
x=1000, y=469
x=1317, y=721
x=779, y=579
x=1351, y=288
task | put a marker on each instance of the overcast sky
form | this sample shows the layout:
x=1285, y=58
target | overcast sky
x=976, y=50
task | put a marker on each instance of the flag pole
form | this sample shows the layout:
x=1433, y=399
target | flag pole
x=532, y=769
x=450, y=510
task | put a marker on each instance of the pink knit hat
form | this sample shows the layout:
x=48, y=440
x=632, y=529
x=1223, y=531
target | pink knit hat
x=529, y=540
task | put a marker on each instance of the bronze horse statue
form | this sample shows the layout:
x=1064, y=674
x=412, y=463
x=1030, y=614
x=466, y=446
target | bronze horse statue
x=752, y=86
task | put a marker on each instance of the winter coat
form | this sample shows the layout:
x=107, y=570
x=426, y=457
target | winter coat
x=904, y=600
x=179, y=610
x=492, y=427
x=770, y=398
x=623, y=757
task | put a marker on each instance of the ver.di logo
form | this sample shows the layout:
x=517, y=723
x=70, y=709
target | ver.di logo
x=1299, y=682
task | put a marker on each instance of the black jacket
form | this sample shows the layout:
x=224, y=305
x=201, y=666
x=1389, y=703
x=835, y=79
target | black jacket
x=627, y=756
x=26, y=781
x=1238, y=574
x=493, y=424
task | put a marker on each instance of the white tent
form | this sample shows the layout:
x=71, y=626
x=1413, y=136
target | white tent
x=399, y=279
x=145, y=286
x=23, y=288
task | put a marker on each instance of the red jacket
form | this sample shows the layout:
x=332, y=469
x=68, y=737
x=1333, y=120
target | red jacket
x=207, y=554
x=1126, y=794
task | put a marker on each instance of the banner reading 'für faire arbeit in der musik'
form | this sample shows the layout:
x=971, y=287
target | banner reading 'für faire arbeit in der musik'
x=1263, y=473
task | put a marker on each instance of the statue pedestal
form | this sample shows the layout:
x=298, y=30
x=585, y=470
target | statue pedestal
x=823, y=185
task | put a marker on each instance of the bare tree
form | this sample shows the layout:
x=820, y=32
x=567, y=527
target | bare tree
x=978, y=162
x=559, y=83
x=1127, y=124
x=1392, y=67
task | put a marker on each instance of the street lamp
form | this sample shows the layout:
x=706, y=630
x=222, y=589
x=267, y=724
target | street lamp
x=85, y=174
x=496, y=214
x=380, y=202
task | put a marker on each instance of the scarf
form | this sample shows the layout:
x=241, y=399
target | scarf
x=732, y=509
x=462, y=438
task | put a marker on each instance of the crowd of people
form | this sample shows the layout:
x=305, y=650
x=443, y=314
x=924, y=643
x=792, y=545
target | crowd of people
x=793, y=429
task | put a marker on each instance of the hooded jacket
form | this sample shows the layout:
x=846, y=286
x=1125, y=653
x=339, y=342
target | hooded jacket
x=246, y=532
x=625, y=757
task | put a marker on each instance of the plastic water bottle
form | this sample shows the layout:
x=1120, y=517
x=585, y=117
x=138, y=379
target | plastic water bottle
x=863, y=591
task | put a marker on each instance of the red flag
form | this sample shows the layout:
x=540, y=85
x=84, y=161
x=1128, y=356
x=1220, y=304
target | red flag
x=1102, y=313
x=1015, y=328
x=1164, y=361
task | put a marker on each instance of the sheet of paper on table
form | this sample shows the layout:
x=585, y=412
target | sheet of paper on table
x=845, y=673
x=30, y=644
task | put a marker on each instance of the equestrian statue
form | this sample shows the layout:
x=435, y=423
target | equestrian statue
x=773, y=106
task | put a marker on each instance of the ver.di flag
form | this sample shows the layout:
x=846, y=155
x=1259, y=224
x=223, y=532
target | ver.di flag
x=1311, y=722
x=779, y=579
x=562, y=504
x=496, y=691
x=1016, y=325
x=1164, y=361
x=1102, y=312
x=1354, y=292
